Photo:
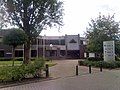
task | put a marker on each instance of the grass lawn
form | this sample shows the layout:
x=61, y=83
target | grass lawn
x=9, y=63
x=50, y=64
x=17, y=63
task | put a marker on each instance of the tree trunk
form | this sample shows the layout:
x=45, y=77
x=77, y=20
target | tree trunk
x=26, y=53
x=13, y=55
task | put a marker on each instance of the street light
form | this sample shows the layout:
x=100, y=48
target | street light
x=44, y=46
x=51, y=49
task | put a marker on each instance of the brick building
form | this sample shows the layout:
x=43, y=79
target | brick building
x=56, y=47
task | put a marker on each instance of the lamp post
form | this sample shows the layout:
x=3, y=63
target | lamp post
x=44, y=46
x=37, y=41
x=51, y=49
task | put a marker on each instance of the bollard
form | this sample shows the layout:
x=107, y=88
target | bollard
x=89, y=68
x=100, y=67
x=77, y=70
x=47, y=70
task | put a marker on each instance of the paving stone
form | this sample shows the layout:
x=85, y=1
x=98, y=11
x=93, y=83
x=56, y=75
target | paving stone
x=106, y=80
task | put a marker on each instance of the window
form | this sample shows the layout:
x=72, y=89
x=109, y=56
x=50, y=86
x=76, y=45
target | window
x=62, y=42
x=54, y=42
x=33, y=53
x=72, y=41
x=19, y=53
x=40, y=41
x=81, y=42
x=2, y=53
x=62, y=52
x=34, y=41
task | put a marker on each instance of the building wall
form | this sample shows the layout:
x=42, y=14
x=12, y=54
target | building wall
x=72, y=42
x=82, y=51
x=68, y=46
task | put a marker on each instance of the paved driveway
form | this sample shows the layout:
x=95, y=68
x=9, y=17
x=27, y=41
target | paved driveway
x=107, y=80
x=66, y=68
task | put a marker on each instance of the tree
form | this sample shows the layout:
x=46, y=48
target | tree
x=14, y=38
x=3, y=16
x=33, y=16
x=103, y=28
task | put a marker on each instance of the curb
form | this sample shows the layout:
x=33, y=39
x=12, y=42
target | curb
x=25, y=82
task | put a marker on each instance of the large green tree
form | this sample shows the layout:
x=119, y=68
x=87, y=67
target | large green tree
x=3, y=16
x=33, y=16
x=14, y=38
x=103, y=28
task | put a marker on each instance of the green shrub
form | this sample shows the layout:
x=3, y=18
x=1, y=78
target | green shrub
x=39, y=63
x=29, y=70
x=9, y=73
x=80, y=62
x=117, y=58
x=94, y=59
x=110, y=65
x=15, y=73
x=18, y=59
x=5, y=73
x=48, y=59
x=117, y=63
x=86, y=63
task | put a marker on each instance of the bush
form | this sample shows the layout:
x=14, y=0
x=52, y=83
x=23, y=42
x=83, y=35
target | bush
x=110, y=65
x=48, y=59
x=94, y=59
x=5, y=73
x=39, y=63
x=86, y=63
x=18, y=59
x=16, y=73
x=117, y=58
x=80, y=62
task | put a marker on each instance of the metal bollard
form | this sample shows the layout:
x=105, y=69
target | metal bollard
x=47, y=70
x=89, y=68
x=100, y=67
x=77, y=70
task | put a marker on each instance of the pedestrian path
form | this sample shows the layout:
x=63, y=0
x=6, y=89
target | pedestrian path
x=63, y=68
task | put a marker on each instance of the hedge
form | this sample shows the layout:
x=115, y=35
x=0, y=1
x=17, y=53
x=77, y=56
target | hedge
x=94, y=59
x=110, y=65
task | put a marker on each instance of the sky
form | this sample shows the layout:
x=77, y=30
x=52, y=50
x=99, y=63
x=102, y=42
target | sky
x=79, y=12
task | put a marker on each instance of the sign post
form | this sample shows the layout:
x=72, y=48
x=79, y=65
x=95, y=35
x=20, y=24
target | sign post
x=109, y=51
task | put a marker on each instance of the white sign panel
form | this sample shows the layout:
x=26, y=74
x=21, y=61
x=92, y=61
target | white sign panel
x=91, y=54
x=85, y=55
x=109, y=50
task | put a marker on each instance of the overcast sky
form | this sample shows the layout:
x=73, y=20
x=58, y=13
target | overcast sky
x=79, y=12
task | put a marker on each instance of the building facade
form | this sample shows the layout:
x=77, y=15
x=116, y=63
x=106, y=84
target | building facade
x=55, y=47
